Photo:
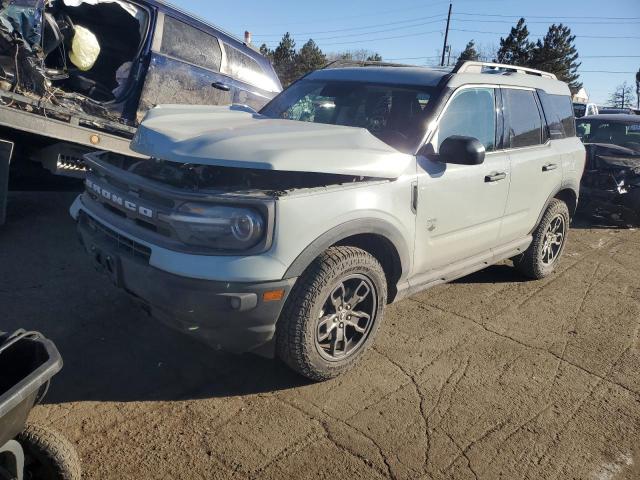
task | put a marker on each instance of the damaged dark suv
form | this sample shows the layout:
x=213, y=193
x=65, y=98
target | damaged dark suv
x=610, y=185
x=78, y=75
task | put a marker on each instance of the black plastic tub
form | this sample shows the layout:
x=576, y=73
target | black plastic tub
x=27, y=363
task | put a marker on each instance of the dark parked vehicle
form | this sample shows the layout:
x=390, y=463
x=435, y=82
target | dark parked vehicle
x=79, y=75
x=611, y=181
x=615, y=111
x=30, y=451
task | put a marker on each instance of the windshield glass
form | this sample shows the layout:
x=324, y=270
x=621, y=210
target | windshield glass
x=625, y=134
x=394, y=114
x=579, y=109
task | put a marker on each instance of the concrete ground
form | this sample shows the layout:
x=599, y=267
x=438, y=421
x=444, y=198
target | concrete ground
x=489, y=377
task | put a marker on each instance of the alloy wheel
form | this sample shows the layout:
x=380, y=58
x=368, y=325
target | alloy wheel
x=553, y=239
x=346, y=317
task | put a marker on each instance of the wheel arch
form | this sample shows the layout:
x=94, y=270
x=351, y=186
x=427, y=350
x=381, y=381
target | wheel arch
x=378, y=237
x=568, y=195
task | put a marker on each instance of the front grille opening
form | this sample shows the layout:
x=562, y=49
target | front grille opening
x=147, y=225
x=115, y=210
x=121, y=242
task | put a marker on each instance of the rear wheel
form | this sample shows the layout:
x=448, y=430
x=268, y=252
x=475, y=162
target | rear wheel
x=48, y=455
x=332, y=314
x=549, y=238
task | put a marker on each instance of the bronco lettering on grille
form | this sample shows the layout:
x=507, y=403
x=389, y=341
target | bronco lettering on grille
x=117, y=200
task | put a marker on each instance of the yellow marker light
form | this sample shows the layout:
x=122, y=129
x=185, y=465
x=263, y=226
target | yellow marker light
x=273, y=295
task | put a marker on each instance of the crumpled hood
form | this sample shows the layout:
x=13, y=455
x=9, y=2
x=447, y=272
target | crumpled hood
x=235, y=137
x=615, y=156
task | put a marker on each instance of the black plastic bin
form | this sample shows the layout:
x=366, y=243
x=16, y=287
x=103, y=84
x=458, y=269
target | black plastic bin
x=27, y=363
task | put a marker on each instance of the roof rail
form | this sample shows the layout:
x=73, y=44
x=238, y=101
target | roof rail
x=478, y=67
x=341, y=63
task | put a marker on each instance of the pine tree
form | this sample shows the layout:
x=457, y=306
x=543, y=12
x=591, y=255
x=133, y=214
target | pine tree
x=516, y=49
x=308, y=59
x=264, y=50
x=557, y=54
x=374, y=57
x=622, y=97
x=469, y=53
x=284, y=59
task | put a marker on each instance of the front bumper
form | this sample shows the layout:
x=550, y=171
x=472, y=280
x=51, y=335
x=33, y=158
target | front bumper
x=228, y=316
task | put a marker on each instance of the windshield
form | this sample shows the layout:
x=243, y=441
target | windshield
x=394, y=114
x=579, y=109
x=625, y=134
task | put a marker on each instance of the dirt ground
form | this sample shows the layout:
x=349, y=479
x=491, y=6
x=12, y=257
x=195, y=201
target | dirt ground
x=489, y=377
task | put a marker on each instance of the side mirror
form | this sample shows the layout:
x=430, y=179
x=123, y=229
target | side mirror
x=462, y=150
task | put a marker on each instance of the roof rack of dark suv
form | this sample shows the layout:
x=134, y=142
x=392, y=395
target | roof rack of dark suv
x=342, y=63
x=499, y=68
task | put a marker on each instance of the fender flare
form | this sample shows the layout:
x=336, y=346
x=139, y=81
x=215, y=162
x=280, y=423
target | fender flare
x=367, y=225
x=569, y=186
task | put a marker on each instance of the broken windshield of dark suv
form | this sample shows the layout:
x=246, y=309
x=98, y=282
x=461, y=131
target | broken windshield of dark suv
x=397, y=115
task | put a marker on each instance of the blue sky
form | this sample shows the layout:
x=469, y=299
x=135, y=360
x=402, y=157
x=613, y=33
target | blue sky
x=417, y=28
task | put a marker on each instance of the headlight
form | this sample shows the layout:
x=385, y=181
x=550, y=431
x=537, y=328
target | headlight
x=217, y=226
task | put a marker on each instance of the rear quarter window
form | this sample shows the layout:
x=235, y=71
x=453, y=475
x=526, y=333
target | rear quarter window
x=246, y=69
x=558, y=110
x=187, y=43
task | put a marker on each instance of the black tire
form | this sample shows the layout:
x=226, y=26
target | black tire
x=48, y=455
x=531, y=263
x=299, y=327
x=631, y=215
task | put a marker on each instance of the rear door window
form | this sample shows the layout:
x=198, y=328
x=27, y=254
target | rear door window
x=471, y=113
x=187, y=43
x=523, y=124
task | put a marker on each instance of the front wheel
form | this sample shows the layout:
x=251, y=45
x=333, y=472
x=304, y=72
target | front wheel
x=332, y=313
x=48, y=455
x=549, y=238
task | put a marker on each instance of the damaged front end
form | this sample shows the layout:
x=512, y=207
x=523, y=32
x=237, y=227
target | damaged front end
x=610, y=185
x=212, y=179
x=200, y=209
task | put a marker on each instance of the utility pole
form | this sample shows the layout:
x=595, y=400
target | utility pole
x=446, y=37
x=638, y=89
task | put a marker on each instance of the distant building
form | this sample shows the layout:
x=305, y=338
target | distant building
x=581, y=97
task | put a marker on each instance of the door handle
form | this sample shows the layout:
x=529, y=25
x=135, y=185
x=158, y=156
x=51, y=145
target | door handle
x=221, y=86
x=494, y=177
x=549, y=166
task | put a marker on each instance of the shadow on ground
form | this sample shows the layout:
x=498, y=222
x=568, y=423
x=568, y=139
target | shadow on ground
x=112, y=350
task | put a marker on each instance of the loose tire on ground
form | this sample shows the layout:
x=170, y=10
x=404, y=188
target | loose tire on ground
x=531, y=263
x=48, y=455
x=299, y=325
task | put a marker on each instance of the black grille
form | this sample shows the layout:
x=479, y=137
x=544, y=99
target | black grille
x=114, y=238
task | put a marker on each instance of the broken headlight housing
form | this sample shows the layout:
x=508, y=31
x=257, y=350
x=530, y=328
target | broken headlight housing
x=217, y=226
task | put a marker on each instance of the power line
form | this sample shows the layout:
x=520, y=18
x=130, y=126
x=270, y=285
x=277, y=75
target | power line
x=382, y=38
x=544, y=16
x=581, y=57
x=347, y=35
x=600, y=71
x=630, y=37
x=370, y=14
x=411, y=20
x=547, y=21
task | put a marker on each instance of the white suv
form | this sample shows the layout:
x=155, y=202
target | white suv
x=288, y=231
